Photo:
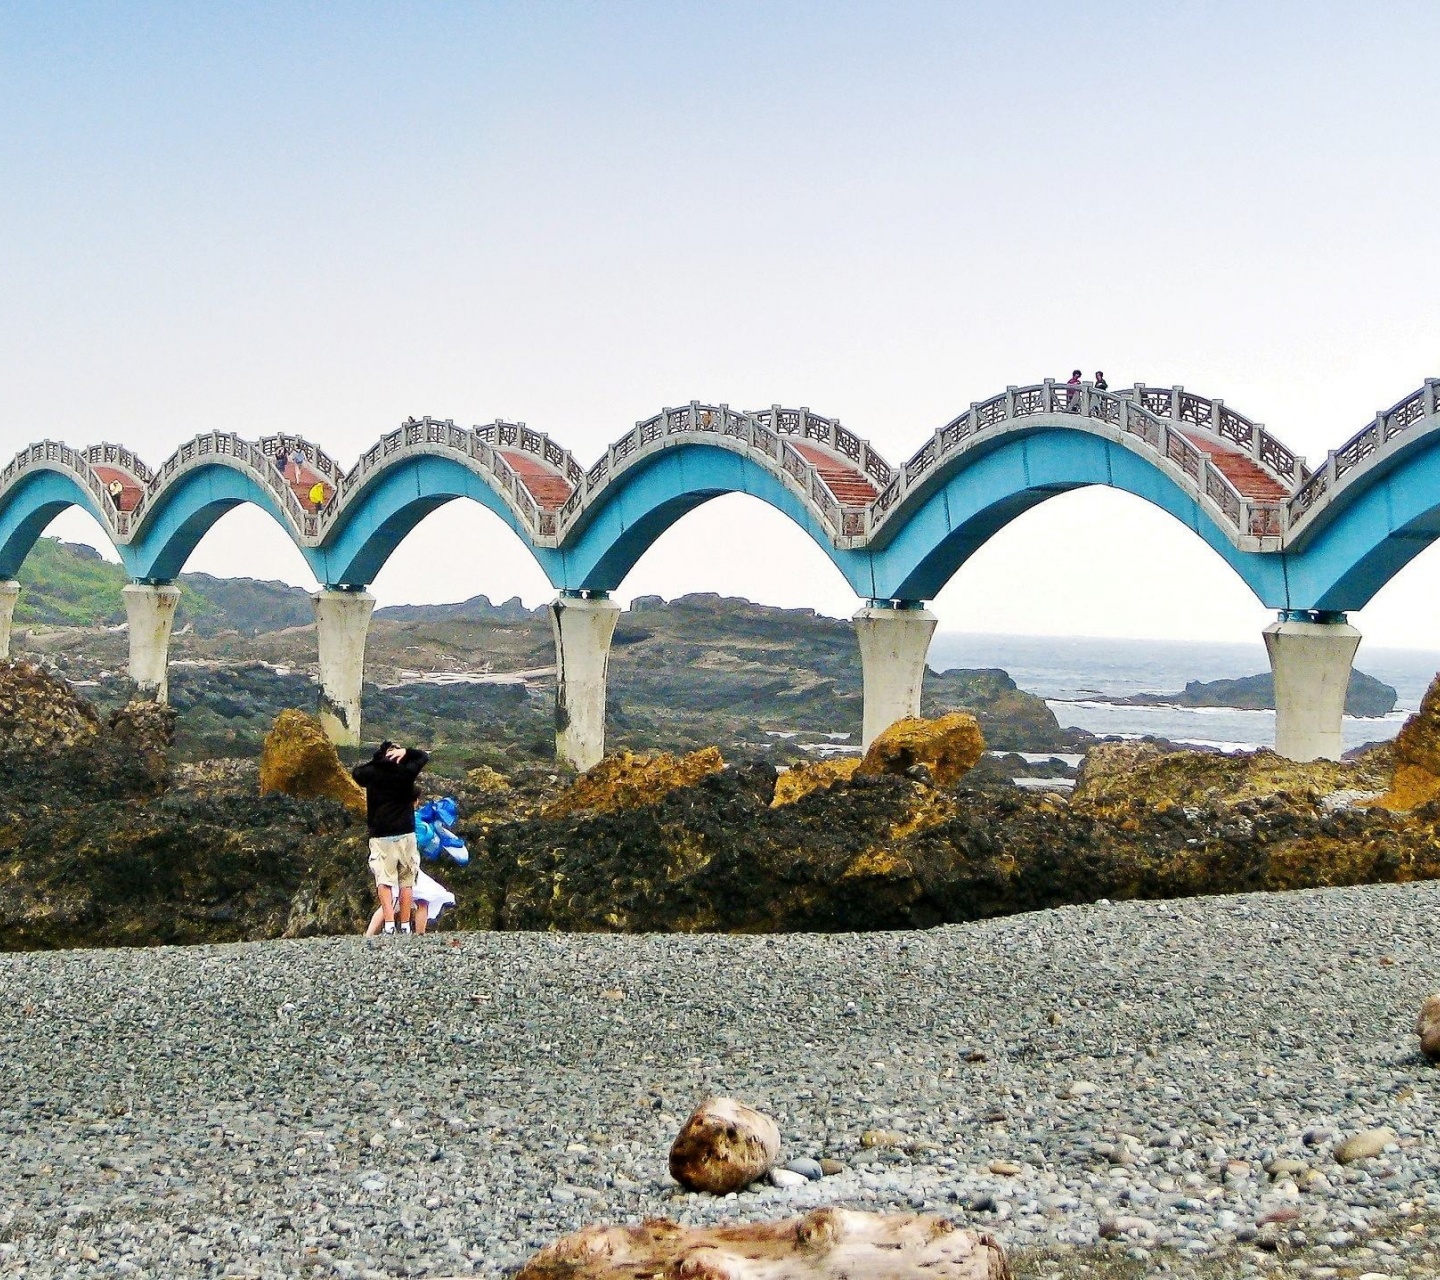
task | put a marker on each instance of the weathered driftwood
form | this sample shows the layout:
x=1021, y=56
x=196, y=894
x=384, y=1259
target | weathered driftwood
x=1427, y=1027
x=723, y=1146
x=829, y=1244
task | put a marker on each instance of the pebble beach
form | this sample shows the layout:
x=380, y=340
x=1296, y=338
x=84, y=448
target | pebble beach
x=1144, y=1086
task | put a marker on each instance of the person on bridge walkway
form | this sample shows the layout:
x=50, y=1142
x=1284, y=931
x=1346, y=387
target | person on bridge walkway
x=389, y=782
x=1100, y=383
x=1072, y=396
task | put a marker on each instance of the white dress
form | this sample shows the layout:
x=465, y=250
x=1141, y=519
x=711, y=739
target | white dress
x=432, y=893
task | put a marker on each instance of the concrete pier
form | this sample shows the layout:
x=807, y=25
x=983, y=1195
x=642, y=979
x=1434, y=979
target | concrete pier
x=9, y=594
x=893, y=644
x=1310, y=657
x=150, y=611
x=583, y=627
x=342, y=622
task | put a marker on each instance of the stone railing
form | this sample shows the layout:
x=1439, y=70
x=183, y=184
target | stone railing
x=1163, y=423
x=1218, y=419
x=1388, y=430
x=119, y=457
x=483, y=448
x=767, y=432
x=1161, y=434
x=56, y=455
x=225, y=448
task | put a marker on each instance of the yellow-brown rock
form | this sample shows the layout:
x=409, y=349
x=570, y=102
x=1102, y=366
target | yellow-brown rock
x=1418, y=742
x=812, y=775
x=724, y=1146
x=1119, y=779
x=1417, y=757
x=1427, y=1027
x=631, y=781
x=948, y=747
x=299, y=760
x=487, y=780
x=827, y=1244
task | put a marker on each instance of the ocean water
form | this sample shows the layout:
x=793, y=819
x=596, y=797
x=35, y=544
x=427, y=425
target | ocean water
x=1075, y=673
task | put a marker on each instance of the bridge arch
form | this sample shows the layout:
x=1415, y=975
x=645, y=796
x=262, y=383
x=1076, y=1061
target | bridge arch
x=1372, y=528
x=638, y=505
x=32, y=501
x=982, y=490
x=372, y=522
x=184, y=511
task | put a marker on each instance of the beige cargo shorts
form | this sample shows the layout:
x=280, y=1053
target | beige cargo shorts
x=395, y=859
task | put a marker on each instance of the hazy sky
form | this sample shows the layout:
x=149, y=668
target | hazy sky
x=324, y=218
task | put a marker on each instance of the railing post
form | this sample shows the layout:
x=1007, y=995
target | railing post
x=1009, y=402
x=1175, y=394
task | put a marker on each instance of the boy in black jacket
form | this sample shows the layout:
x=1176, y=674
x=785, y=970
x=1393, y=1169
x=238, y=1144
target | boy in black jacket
x=389, y=782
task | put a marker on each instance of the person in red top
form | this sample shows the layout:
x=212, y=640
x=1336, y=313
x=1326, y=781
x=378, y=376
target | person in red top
x=1072, y=396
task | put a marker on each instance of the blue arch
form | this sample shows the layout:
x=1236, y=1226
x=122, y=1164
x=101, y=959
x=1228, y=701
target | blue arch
x=637, y=507
x=183, y=514
x=985, y=491
x=30, y=507
x=1371, y=531
x=381, y=516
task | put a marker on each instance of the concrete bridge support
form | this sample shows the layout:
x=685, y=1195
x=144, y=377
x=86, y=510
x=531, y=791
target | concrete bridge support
x=1310, y=656
x=583, y=626
x=894, y=640
x=150, y=611
x=342, y=622
x=9, y=594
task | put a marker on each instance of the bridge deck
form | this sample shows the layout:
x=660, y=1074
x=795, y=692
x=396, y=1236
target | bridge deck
x=1252, y=480
x=129, y=491
x=548, y=489
x=850, y=487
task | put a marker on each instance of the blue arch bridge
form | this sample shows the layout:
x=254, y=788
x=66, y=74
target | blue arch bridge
x=1311, y=545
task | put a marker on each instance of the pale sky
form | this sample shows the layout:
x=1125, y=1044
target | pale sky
x=324, y=218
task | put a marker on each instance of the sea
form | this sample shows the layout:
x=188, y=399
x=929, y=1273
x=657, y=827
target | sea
x=1076, y=674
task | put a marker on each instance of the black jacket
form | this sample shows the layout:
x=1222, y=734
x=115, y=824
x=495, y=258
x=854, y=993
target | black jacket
x=390, y=791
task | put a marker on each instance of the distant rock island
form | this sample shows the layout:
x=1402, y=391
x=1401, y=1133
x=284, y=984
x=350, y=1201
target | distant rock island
x=1366, y=696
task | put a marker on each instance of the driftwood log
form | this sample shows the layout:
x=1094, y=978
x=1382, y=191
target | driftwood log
x=829, y=1244
x=724, y=1146
x=1427, y=1027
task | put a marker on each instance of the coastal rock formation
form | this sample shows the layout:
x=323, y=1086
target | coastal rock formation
x=828, y=1244
x=1427, y=1027
x=1417, y=757
x=812, y=775
x=147, y=729
x=1365, y=696
x=629, y=780
x=39, y=712
x=300, y=761
x=946, y=748
x=1124, y=781
x=724, y=1146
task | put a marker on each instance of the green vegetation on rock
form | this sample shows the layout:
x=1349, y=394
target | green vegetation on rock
x=68, y=584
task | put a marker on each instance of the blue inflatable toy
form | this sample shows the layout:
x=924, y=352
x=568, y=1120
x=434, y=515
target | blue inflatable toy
x=433, y=821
